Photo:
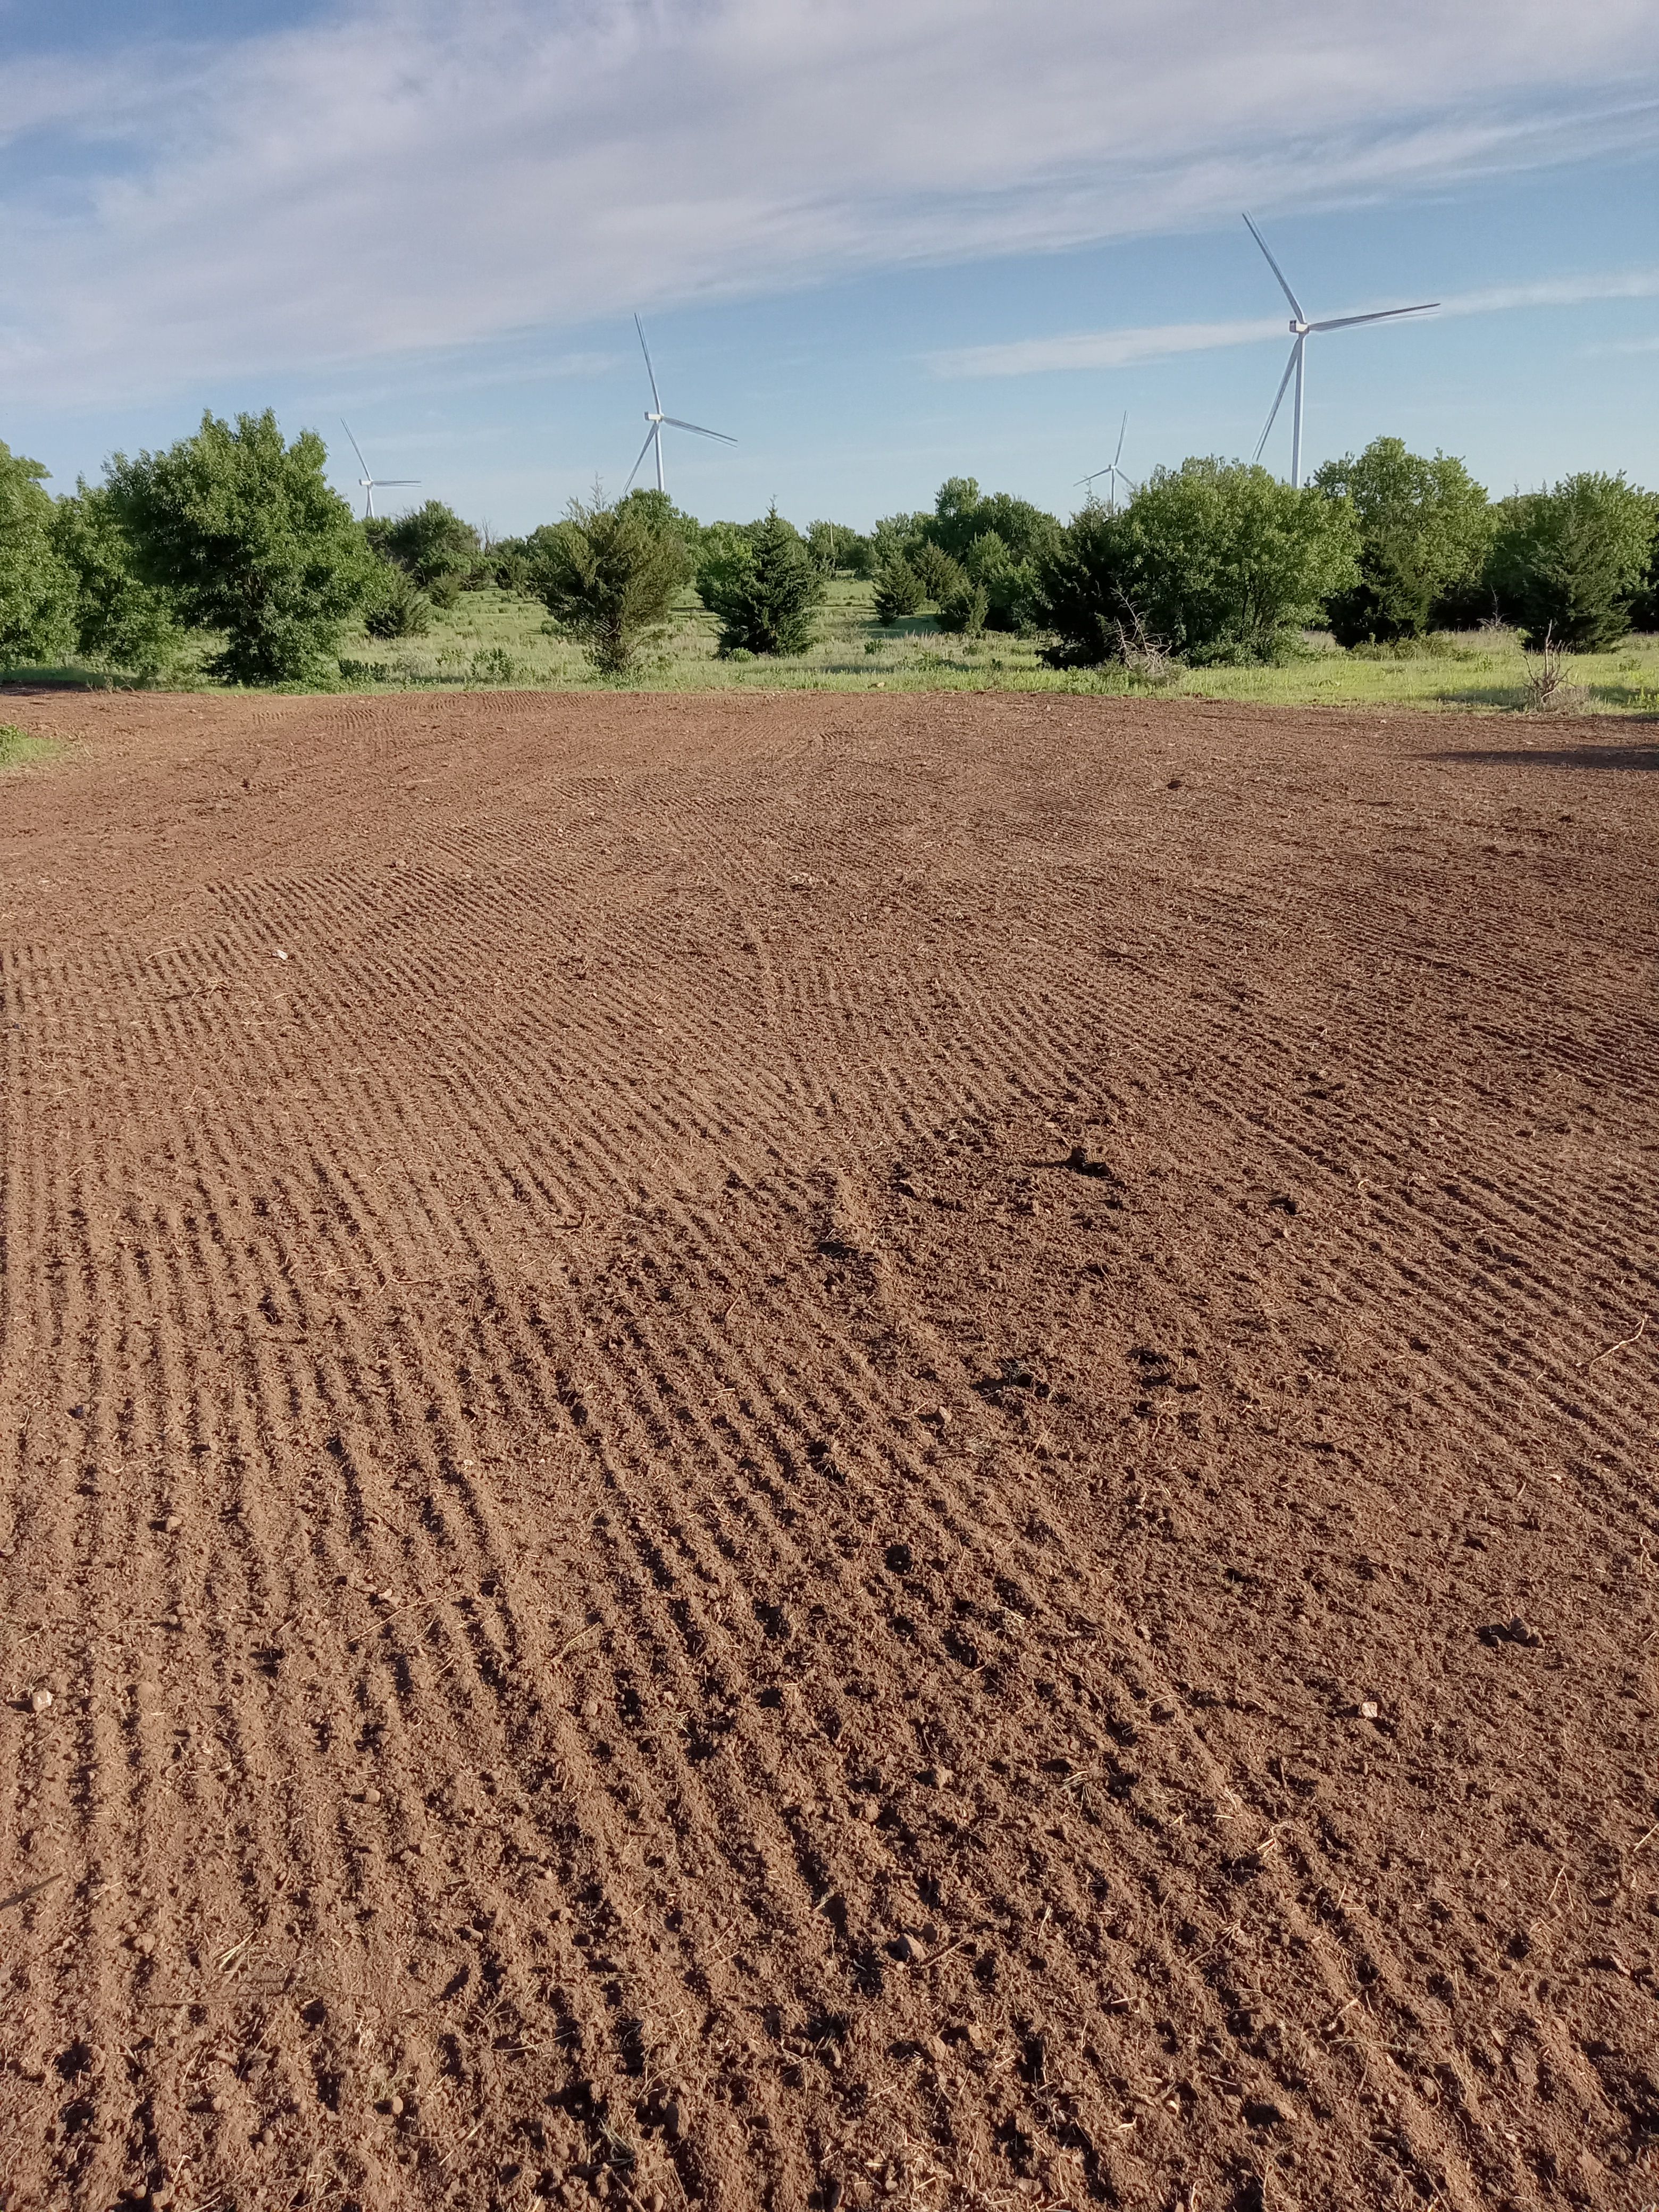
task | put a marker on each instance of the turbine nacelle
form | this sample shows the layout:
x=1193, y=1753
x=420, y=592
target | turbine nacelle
x=1301, y=330
x=367, y=484
x=1111, y=470
x=659, y=422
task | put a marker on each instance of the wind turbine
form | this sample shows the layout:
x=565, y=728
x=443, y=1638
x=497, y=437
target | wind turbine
x=657, y=419
x=1302, y=330
x=368, y=484
x=1112, y=469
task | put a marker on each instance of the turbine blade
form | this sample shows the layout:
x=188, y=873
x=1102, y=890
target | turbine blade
x=635, y=470
x=1279, y=397
x=656, y=397
x=1122, y=431
x=1384, y=315
x=1284, y=287
x=1130, y=481
x=698, y=428
x=381, y=482
x=1098, y=473
x=355, y=448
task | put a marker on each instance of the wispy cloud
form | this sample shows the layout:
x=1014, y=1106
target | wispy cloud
x=1124, y=348
x=1120, y=349
x=406, y=174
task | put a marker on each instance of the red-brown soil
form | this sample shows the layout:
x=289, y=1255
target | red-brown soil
x=776, y=1451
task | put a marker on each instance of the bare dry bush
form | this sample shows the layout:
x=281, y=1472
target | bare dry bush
x=1547, y=690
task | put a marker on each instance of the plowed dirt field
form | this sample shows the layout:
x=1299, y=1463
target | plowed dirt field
x=805, y=1451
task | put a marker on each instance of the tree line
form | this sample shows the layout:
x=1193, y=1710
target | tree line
x=234, y=532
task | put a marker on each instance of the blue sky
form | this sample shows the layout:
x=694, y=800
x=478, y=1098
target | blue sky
x=879, y=241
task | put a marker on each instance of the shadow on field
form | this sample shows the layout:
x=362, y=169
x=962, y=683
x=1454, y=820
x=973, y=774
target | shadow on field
x=1606, y=755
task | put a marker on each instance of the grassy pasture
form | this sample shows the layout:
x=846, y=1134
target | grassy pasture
x=491, y=639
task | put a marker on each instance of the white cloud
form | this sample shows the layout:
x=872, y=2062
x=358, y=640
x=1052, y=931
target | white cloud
x=409, y=175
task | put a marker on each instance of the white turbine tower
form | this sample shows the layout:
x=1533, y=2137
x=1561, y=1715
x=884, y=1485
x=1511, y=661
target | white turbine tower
x=1112, y=469
x=1301, y=330
x=369, y=483
x=657, y=419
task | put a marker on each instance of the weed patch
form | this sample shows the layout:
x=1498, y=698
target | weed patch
x=18, y=747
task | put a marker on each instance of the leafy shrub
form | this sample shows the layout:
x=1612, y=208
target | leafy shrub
x=119, y=619
x=37, y=591
x=1425, y=528
x=493, y=664
x=434, y=545
x=1214, y=562
x=246, y=537
x=1572, y=562
x=766, y=592
x=898, y=591
x=366, y=672
x=608, y=579
x=398, y=607
x=508, y=564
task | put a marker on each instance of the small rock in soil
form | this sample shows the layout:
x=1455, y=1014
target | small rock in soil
x=172, y=1525
x=40, y=1702
x=1368, y=1709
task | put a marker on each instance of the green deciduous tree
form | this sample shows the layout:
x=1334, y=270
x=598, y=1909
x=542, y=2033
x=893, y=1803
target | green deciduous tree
x=245, y=533
x=894, y=537
x=1573, y=561
x=1215, y=561
x=1424, y=529
x=660, y=514
x=766, y=591
x=119, y=619
x=37, y=593
x=608, y=578
x=962, y=513
x=833, y=546
x=1012, y=587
